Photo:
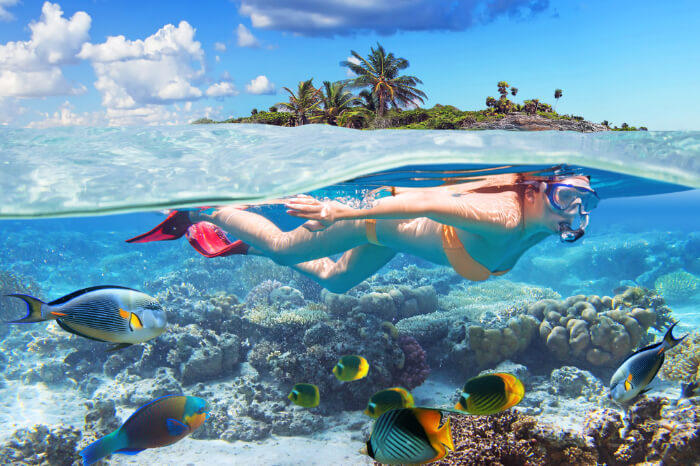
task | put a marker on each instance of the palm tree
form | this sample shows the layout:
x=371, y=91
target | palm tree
x=557, y=94
x=380, y=72
x=303, y=103
x=336, y=100
x=369, y=100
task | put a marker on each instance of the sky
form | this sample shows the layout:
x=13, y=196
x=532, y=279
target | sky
x=108, y=62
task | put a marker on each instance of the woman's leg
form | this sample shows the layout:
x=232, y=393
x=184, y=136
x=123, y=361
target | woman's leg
x=353, y=267
x=291, y=247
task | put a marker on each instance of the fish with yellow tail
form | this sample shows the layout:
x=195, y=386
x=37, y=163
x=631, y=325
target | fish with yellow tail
x=113, y=314
x=159, y=423
x=390, y=398
x=305, y=395
x=490, y=394
x=409, y=436
x=640, y=368
x=351, y=367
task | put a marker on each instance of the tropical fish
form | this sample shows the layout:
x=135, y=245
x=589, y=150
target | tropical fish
x=640, y=368
x=490, y=394
x=159, y=423
x=305, y=395
x=104, y=313
x=350, y=368
x=391, y=398
x=409, y=435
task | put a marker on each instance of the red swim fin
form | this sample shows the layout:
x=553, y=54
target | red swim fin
x=173, y=227
x=211, y=241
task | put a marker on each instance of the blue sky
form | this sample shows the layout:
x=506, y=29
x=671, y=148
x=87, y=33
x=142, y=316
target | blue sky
x=125, y=62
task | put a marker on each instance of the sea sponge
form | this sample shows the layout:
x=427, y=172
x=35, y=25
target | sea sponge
x=678, y=286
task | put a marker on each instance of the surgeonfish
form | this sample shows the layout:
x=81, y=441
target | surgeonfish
x=490, y=394
x=640, y=368
x=159, y=423
x=409, y=435
x=391, y=398
x=104, y=313
x=305, y=395
x=351, y=368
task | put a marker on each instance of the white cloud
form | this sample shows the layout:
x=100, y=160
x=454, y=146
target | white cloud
x=219, y=46
x=246, y=38
x=65, y=116
x=4, y=14
x=260, y=85
x=221, y=89
x=348, y=71
x=163, y=68
x=32, y=68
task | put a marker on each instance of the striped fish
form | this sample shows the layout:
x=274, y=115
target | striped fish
x=409, y=435
x=640, y=368
x=104, y=313
x=490, y=394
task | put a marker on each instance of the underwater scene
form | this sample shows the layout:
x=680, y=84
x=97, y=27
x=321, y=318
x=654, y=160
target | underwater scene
x=238, y=294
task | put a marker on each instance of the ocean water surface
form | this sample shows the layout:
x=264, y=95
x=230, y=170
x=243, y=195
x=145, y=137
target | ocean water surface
x=243, y=329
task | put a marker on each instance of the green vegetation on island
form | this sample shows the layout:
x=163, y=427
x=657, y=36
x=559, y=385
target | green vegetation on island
x=388, y=99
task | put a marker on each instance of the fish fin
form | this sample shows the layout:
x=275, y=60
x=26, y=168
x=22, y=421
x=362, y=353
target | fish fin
x=33, y=309
x=175, y=427
x=98, y=449
x=68, y=329
x=444, y=435
x=364, y=368
x=130, y=451
x=118, y=346
x=645, y=390
x=75, y=294
x=669, y=341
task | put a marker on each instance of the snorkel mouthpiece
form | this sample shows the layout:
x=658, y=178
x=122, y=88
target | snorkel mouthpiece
x=568, y=234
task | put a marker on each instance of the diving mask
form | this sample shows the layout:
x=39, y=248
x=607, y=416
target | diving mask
x=564, y=196
x=568, y=234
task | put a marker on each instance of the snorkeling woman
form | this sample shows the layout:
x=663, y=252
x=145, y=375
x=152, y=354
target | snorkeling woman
x=480, y=228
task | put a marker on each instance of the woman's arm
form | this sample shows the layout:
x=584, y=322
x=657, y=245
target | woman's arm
x=479, y=213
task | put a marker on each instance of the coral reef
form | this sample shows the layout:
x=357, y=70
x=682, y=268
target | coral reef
x=510, y=438
x=42, y=445
x=682, y=363
x=678, y=286
x=655, y=432
x=572, y=382
x=584, y=331
x=415, y=369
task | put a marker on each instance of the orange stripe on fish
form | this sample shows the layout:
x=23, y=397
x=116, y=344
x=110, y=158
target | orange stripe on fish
x=123, y=314
x=628, y=382
x=661, y=350
x=59, y=314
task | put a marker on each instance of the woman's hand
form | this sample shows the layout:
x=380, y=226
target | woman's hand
x=320, y=214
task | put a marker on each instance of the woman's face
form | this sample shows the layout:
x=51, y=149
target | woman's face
x=565, y=222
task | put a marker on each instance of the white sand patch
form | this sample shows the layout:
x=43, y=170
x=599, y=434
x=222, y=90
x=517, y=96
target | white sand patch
x=27, y=405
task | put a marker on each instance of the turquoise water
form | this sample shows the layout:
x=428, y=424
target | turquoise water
x=243, y=329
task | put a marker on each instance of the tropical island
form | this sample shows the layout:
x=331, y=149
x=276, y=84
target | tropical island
x=388, y=99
